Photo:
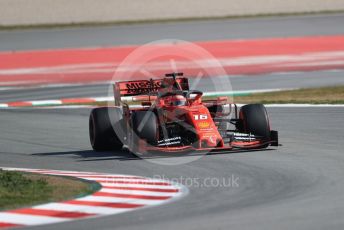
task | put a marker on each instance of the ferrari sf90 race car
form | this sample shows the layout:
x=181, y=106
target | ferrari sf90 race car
x=173, y=118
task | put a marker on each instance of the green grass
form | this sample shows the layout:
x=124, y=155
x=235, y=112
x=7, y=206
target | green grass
x=19, y=189
x=323, y=95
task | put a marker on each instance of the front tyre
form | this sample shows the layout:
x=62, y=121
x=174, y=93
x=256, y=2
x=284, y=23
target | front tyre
x=102, y=123
x=255, y=121
x=145, y=126
x=144, y=129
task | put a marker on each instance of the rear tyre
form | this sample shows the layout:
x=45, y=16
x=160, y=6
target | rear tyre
x=255, y=120
x=102, y=125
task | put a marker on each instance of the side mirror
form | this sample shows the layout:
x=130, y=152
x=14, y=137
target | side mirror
x=194, y=96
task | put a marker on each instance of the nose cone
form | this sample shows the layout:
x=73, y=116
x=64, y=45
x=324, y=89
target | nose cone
x=205, y=127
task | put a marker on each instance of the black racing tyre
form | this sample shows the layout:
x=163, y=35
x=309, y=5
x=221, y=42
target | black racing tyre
x=102, y=123
x=145, y=125
x=255, y=120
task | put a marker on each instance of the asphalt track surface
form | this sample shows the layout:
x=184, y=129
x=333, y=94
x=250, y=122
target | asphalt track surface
x=191, y=31
x=296, y=186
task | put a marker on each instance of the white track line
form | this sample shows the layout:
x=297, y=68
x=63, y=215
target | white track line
x=25, y=219
x=119, y=179
x=120, y=200
x=134, y=192
x=82, y=208
x=136, y=185
x=304, y=105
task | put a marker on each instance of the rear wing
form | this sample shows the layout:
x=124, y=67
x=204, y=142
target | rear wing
x=143, y=87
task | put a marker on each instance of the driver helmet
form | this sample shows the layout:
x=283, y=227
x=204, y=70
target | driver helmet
x=176, y=100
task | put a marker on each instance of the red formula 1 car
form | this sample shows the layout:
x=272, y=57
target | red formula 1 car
x=172, y=118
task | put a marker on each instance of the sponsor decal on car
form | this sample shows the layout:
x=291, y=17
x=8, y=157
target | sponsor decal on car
x=245, y=136
x=212, y=139
x=200, y=117
x=170, y=141
x=203, y=124
x=143, y=86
